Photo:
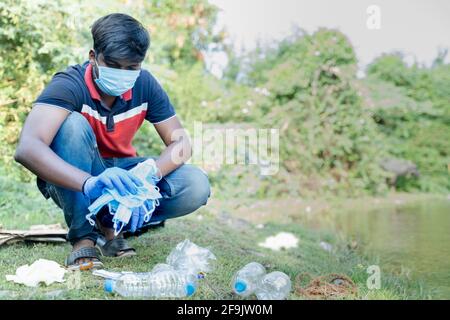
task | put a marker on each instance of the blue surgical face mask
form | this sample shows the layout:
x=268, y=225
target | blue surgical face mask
x=115, y=82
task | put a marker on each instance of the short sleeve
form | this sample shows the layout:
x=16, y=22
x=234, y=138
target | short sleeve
x=159, y=106
x=61, y=92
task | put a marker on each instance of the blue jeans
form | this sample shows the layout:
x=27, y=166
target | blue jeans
x=184, y=190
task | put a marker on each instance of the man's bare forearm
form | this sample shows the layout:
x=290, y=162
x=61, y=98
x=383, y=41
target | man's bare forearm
x=37, y=157
x=175, y=154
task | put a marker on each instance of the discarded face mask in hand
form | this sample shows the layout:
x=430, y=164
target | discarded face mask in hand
x=41, y=270
x=121, y=207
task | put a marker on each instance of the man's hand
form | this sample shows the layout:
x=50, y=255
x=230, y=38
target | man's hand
x=138, y=216
x=112, y=178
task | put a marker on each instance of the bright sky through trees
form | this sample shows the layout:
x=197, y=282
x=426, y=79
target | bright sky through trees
x=415, y=27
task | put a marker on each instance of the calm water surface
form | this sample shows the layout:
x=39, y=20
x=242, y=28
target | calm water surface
x=414, y=238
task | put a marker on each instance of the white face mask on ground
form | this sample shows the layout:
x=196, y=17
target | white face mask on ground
x=42, y=270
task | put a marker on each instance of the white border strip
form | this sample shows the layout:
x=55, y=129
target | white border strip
x=165, y=119
x=130, y=113
x=50, y=105
x=93, y=113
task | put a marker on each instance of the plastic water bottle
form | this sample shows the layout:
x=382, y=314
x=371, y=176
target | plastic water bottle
x=164, y=283
x=189, y=258
x=162, y=267
x=248, y=278
x=274, y=286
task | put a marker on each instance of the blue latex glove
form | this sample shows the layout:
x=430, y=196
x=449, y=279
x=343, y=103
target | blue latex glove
x=112, y=178
x=137, y=216
x=137, y=219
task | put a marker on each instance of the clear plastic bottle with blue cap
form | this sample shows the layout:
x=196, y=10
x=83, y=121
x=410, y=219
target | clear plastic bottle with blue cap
x=247, y=279
x=159, y=284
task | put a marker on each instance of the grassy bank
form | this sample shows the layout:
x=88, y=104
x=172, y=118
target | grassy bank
x=232, y=239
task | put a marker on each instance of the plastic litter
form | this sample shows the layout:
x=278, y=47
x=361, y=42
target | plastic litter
x=186, y=263
x=274, y=286
x=121, y=207
x=162, y=267
x=190, y=258
x=41, y=270
x=163, y=283
x=252, y=279
x=248, y=278
x=283, y=240
x=109, y=274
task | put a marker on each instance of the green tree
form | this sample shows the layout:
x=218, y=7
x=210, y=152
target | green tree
x=411, y=107
x=33, y=46
x=307, y=89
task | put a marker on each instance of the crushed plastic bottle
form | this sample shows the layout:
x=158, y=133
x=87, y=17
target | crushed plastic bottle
x=274, y=286
x=162, y=267
x=248, y=278
x=189, y=258
x=160, y=284
x=252, y=278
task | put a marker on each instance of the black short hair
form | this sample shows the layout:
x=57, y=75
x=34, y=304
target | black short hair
x=120, y=37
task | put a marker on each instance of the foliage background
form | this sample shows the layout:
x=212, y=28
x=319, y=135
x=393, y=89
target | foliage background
x=334, y=127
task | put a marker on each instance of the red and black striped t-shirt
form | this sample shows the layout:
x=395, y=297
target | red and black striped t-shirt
x=74, y=90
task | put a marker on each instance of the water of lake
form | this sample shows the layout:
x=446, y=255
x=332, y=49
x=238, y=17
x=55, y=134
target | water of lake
x=414, y=236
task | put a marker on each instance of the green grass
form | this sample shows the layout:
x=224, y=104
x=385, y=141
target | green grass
x=234, y=241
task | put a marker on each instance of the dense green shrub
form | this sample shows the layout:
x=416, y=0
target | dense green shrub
x=329, y=141
x=33, y=46
x=411, y=105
